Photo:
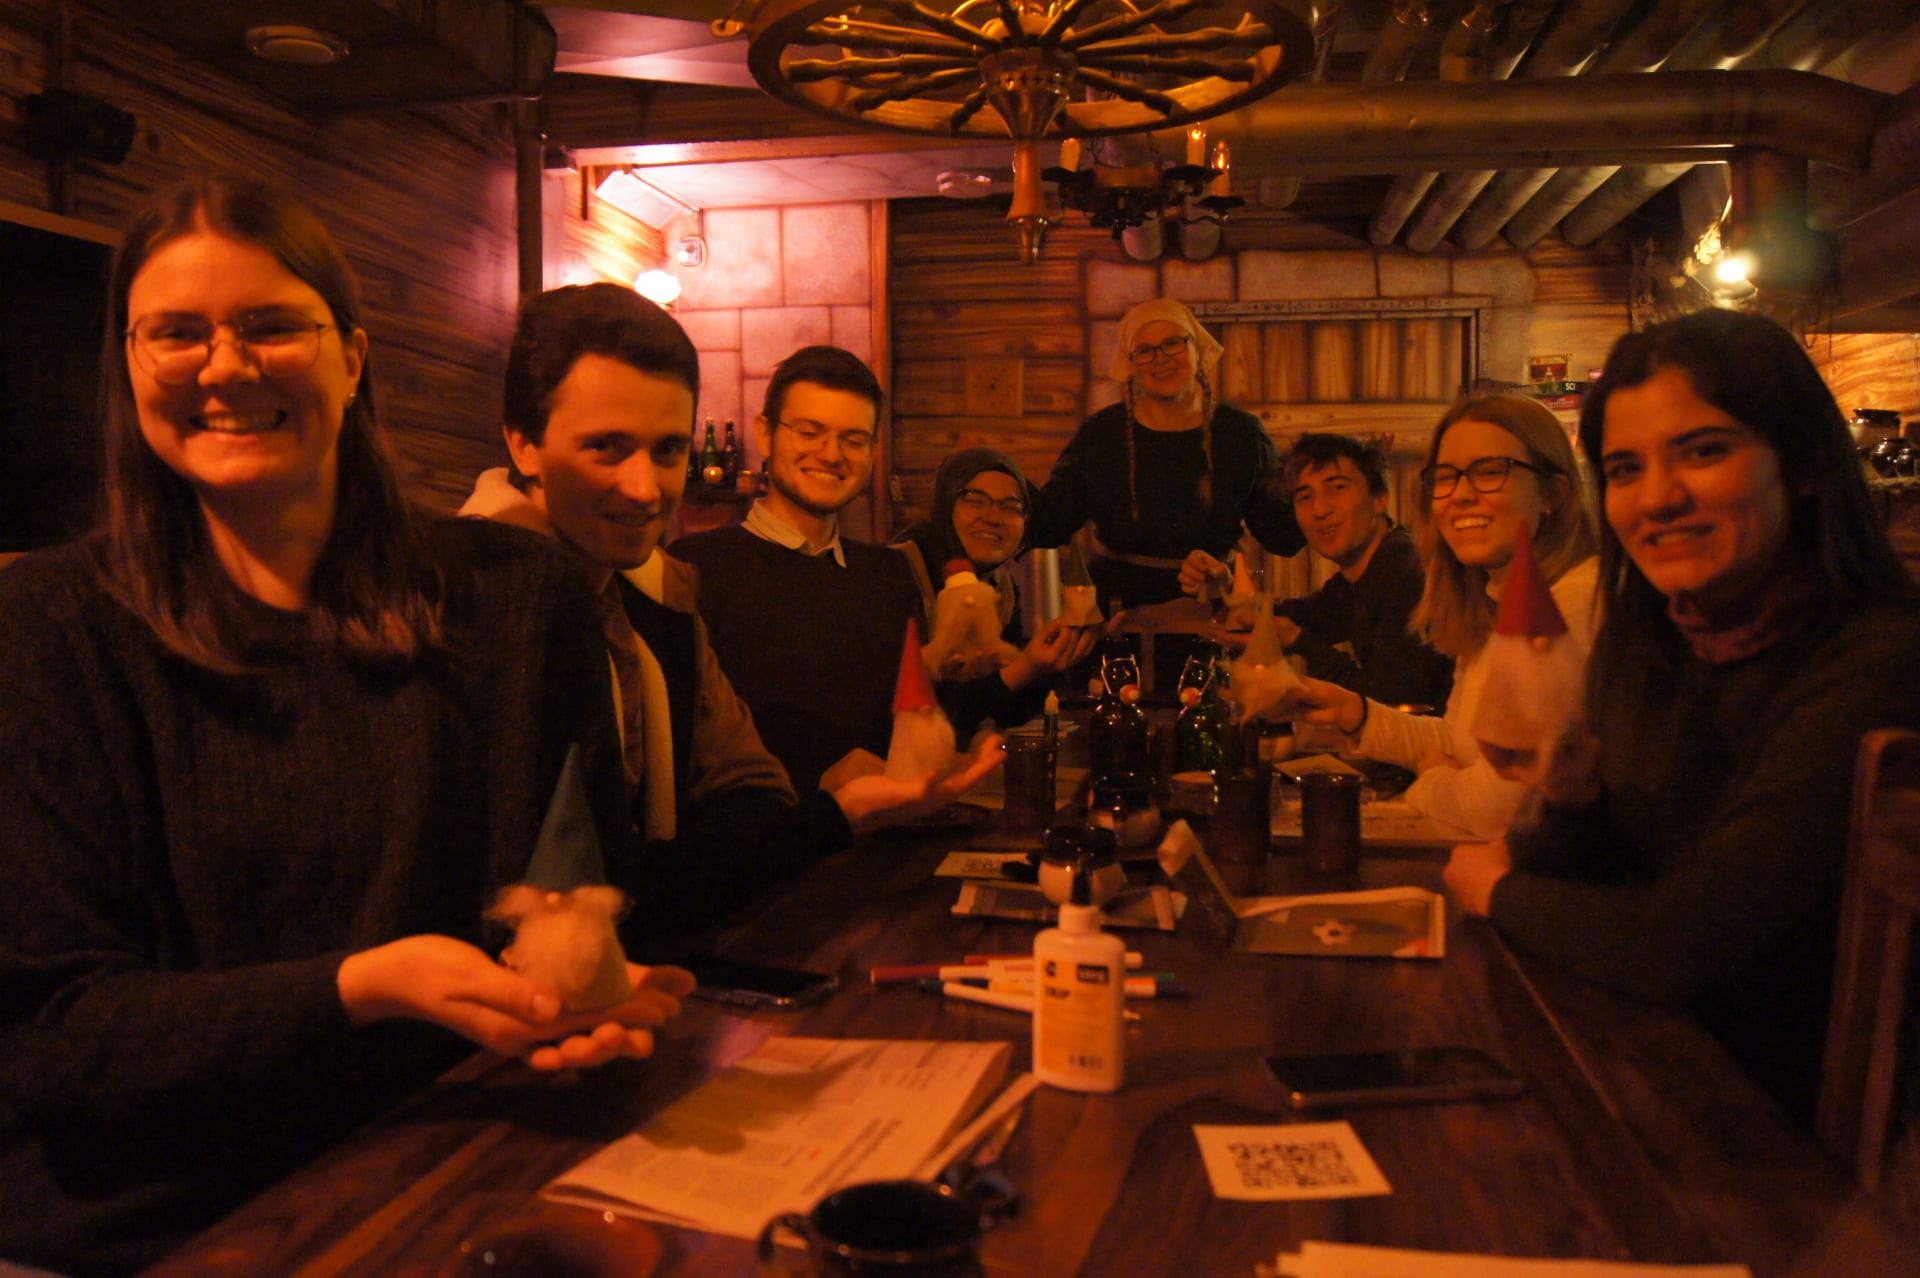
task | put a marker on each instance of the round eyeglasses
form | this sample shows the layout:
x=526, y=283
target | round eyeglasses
x=174, y=348
x=1487, y=475
x=1147, y=352
x=979, y=504
x=812, y=437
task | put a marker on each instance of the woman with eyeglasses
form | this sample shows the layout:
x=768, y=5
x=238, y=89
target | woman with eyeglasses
x=979, y=517
x=1494, y=464
x=1166, y=471
x=1757, y=623
x=269, y=743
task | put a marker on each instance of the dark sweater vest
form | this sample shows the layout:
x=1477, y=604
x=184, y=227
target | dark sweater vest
x=811, y=647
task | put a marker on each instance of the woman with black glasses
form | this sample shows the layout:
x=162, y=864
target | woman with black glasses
x=1166, y=471
x=271, y=740
x=1495, y=463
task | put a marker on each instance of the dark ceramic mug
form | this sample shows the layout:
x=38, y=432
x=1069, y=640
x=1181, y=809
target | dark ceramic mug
x=895, y=1228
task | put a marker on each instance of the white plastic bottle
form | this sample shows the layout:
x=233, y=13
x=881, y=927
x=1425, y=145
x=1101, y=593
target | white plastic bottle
x=1079, y=1026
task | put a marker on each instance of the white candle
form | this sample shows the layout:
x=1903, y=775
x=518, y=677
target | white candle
x=1070, y=154
x=1196, y=146
x=1222, y=185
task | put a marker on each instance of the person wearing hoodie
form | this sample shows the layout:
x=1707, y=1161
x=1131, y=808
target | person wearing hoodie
x=600, y=392
x=979, y=518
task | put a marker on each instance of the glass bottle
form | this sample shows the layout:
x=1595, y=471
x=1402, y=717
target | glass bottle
x=729, y=457
x=1201, y=729
x=711, y=471
x=693, y=456
x=1119, y=740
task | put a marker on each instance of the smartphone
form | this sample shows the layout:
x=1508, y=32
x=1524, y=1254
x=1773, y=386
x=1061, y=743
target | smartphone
x=756, y=984
x=1393, y=1078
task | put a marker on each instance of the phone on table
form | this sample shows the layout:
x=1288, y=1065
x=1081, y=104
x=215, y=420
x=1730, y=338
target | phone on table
x=757, y=984
x=1402, y=1077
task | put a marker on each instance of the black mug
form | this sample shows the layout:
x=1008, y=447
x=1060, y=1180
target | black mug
x=1330, y=821
x=897, y=1228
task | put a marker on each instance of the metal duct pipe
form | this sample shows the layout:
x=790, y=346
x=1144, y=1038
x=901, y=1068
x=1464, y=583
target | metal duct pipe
x=1445, y=208
x=1332, y=130
x=1460, y=62
x=1838, y=199
x=1399, y=41
x=1562, y=194
x=1822, y=32
x=1642, y=50
x=1734, y=40
x=1621, y=194
x=1564, y=51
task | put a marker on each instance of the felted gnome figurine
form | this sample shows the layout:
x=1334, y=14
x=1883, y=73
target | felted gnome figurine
x=1260, y=676
x=922, y=737
x=1535, y=675
x=566, y=942
x=1078, y=607
x=562, y=915
x=966, y=627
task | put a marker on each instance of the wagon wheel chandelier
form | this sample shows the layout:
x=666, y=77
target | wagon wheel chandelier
x=1027, y=69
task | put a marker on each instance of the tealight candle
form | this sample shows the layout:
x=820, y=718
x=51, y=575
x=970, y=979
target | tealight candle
x=714, y=475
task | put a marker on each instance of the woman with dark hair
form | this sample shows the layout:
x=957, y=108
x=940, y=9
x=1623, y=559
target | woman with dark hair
x=1167, y=471
x=1756, y=624
x=270, y=743
x=1497, y=466
x=979, y=517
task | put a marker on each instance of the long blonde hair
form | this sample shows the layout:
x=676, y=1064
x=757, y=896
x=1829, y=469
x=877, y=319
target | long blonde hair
x=1455, y=614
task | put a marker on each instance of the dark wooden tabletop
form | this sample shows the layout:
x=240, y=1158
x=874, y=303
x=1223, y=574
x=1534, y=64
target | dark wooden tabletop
x=1637, y=1138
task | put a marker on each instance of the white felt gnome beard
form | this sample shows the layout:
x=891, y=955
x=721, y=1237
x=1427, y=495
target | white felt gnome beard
x=923, y=739
x=1535, y=675
x=966, y=627
x=565, y=942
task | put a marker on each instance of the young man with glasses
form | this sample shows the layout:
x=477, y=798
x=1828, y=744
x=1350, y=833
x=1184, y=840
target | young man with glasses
x=808, y=623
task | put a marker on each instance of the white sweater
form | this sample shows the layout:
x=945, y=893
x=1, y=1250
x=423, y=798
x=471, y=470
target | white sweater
x=1471, y=795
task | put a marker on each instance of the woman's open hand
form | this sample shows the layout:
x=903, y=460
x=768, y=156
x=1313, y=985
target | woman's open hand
x=449, y=983
x=876, y=800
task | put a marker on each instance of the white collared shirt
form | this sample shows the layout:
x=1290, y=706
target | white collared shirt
x=763, y=523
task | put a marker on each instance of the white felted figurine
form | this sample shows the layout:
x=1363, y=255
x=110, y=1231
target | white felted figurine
x=566, y=942
x=1261, y=677
x=966, y=627
x=1535, y=675
x=922, y=737
x=1078, y=607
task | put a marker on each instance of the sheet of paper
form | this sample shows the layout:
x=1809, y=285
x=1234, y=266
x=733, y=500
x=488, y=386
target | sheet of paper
x=1348, y=1260
x=786, y=1126
x=973, y=863
x=1288, y=1161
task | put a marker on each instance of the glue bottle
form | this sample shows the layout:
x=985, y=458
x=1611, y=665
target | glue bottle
x=1079, y=1021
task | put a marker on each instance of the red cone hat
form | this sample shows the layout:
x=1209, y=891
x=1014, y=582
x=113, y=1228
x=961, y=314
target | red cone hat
x=912, y=690
x=1526, y=605
x=956, y=566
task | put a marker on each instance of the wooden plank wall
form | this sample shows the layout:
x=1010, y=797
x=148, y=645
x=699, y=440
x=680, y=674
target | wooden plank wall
x=420, y=201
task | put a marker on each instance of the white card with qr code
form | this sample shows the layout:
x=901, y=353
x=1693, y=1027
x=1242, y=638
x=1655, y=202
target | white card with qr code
x=1292, y=1160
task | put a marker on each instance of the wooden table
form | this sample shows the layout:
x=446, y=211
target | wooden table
x=1637, y=1137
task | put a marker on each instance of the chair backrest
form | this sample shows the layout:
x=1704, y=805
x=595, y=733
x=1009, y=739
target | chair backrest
x=1874, y=1013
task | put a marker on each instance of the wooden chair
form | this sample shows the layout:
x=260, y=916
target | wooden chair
x=1871, y=1037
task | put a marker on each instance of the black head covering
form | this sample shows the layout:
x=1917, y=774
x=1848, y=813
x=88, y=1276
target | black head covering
x=955, y=473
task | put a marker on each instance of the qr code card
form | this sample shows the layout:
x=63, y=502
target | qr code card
x=976, y=865
x=1294, y=1160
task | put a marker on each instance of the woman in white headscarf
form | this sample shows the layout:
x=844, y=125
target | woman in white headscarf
x=1167, y=470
